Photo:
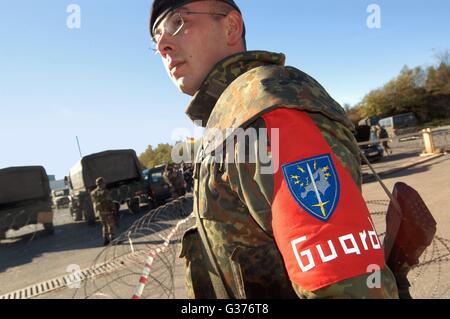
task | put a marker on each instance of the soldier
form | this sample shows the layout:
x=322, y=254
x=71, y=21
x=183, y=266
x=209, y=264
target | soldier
x=173, y=176
x=103, y=205
x=188, y=176
x=167, y=172
x=300, y=227
x=382, y=134
x=168, y=177
x=178, y=181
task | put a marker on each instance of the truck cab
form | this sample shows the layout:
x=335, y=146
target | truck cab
x=156, y=185
x=61, y=198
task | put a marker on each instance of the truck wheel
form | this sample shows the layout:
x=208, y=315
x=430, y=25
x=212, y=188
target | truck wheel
x=89, y=217
x=133, y=205
x=89, y=214
x=90, y=221
x=116, y=219
x=77, y=215
x=49, y=229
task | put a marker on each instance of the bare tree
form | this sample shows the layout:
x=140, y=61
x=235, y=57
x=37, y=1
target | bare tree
x=443, y=57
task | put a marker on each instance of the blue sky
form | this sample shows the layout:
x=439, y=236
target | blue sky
x=103, y=84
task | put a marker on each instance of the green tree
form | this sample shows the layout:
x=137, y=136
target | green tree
x=425, y=92
x=405, y=93
x=353, y=113
x=155, y=156
x=438, y=80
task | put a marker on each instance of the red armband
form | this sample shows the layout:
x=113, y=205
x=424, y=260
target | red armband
x=320, y=220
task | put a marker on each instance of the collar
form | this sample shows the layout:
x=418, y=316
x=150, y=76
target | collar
x=222, y=75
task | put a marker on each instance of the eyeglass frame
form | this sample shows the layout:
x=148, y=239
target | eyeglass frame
x=179, y=13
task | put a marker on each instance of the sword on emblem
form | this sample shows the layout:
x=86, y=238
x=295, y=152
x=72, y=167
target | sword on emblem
x=320, y=203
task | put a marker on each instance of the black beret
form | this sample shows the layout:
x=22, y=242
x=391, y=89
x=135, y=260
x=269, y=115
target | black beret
x=161, y=8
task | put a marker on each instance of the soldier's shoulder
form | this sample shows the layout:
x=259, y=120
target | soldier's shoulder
x=267, y=87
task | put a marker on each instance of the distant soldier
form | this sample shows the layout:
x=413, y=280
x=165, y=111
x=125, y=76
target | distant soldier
x=374, y=131
x=173, y=176
x=168, y=176
x=179, y=182
x=167, y=173
x=188, y=176
x=103, y=205
x=382, y=133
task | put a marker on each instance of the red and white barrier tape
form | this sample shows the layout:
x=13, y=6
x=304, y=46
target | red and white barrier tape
x=143, y=280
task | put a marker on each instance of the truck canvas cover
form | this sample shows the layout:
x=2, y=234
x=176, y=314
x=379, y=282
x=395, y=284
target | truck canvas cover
x=23, y=183
x=113, y=166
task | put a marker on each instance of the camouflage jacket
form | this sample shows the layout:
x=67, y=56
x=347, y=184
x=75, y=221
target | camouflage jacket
x=102, y=200
x=167, y=176
x=234, y=199
x=174, y=178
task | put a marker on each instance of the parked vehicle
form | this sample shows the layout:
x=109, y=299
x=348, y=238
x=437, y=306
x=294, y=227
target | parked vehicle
x=369, y=121
x=400, y=124
x=156, y=185
x=61, y=198
x=25, y=198
x=373, y=151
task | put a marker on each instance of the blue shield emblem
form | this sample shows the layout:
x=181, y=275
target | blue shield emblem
x=314, y=184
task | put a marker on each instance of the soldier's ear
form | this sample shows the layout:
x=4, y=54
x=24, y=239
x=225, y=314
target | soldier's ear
x=235, y=27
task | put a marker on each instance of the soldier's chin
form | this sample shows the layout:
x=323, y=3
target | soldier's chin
x=183, y=86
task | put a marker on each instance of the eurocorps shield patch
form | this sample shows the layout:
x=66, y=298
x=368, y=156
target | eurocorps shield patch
x=314, y=184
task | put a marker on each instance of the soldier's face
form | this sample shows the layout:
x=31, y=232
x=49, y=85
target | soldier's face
x=190, y=55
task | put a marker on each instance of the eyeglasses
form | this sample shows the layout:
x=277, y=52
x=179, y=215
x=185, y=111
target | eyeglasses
x=173, y=24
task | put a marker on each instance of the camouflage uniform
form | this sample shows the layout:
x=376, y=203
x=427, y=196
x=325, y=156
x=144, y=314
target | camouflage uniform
x=103, y=205
x=188, y=176
x=233, y=200
x=175, y=179
x=382, y=134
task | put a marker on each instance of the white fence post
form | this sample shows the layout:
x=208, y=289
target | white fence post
x=428, y=142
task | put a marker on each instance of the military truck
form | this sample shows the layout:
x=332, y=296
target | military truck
x=25, y=198
x=400, y=124
x=156, y=186
x=123, y=176
x=61, y=198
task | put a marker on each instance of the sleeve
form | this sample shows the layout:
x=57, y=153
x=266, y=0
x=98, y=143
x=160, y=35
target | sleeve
x=303, y=191
x=166, y=177
x=94, y=196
